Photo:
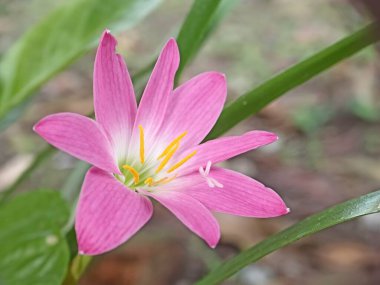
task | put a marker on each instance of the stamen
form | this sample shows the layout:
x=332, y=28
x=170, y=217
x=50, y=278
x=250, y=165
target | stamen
x=165, y=180
x=136, y=176
x=178, y=164
x=160, y=181
x=167, y=157
x=168, y=180
x=148, y=181
x=142, y=144
x=172, y=144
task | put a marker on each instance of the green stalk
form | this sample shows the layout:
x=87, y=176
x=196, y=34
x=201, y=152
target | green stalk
x=256, y=99
x=341, y=213
x=76, y=269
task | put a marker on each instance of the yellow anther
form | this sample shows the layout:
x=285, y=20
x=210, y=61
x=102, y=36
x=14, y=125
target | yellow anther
x=142, y=145
x=167, y=157
x=172, y=144
x=182, y=161
x=148, y=181
x=136, y=176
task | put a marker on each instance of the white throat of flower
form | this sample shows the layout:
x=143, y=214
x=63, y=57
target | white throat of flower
x=211, y=182
x=146, y=174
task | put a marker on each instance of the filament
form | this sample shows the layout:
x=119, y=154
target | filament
x=182, y=161
x=172, y=144
x=142, y=144
x=167, y=157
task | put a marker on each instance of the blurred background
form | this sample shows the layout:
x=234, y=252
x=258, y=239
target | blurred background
x=328, y=152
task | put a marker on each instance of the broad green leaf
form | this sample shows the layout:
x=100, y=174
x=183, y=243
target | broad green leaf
x=256, y=99
x=60, y=38
x=364, y=205
x=33, y=249
x=202, y=19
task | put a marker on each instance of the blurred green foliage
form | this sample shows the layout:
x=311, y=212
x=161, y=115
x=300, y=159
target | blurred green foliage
x=310, y=119
x=60, y=38
x=33, y=247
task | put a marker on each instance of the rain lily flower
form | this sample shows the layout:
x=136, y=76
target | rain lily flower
x=155, y=151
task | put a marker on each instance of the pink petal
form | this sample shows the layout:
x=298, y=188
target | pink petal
x=151, y=111
x=191, y=213
x=224, y=148
x=240, y=195
x=108, y=213
x=194, y=107
x=114, y=98
x=79, y=136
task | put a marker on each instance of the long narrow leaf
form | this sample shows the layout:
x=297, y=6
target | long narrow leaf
x=256, y=99
x=364, y=205
x=201, y=20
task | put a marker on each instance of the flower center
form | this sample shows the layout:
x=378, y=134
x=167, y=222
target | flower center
x=151, y=173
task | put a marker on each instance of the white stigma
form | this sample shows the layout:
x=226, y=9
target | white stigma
x=211, y=182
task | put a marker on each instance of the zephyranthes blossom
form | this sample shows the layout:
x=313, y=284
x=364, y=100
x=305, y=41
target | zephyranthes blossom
x=155, y=151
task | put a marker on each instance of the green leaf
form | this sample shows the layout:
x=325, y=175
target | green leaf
x=201, y=20
x=364, y=205
x=256, y=99
x=33, y=248
x=60, y=38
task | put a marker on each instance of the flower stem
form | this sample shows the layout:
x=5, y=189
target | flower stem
x=77, y=267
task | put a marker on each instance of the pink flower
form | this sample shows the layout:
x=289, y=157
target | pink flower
x=154, y=151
